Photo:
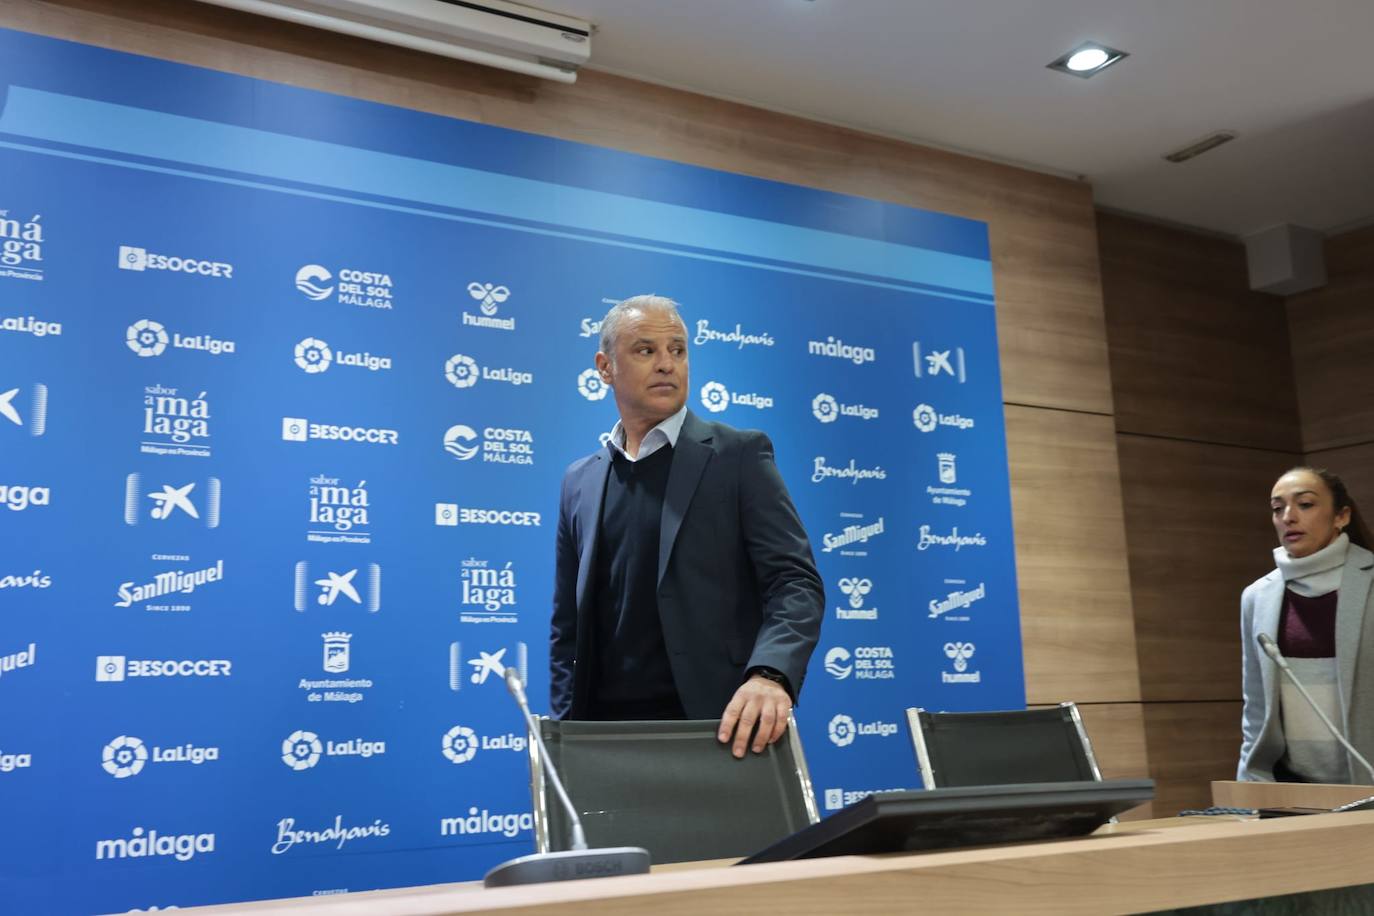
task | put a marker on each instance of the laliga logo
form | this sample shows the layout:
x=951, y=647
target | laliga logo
x=837, y=664
x=591, y=386
x=147, y=338
x=123, y=757
x=715, y=397
x=310, y=280
x=824, y=408
x=458, y=442
x=856, y=589
x=301, y=750
x=960, y=652
x=313, y=355
x=925, y=418
x=842, y=731
x=490, y=296
x=460, y=742
x=461, y=371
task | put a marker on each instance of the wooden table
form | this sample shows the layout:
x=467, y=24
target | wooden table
x=1130, y=867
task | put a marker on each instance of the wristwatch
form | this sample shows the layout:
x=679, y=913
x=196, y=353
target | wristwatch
x=772, y=674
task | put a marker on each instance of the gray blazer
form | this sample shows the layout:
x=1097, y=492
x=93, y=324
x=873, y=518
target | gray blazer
x=1262, y=743
x=738, y=587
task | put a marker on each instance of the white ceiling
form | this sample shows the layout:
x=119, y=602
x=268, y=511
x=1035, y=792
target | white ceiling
x=1295, y=79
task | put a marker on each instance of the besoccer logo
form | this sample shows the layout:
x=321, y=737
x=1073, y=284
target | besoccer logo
x=313, y=355
x=461, y=371
x=301, y=750
x=856, y=589
x=458, y=442
x=925, y=418
x=146, y=338
x=591, y=386
x=124, y=757
x=310, y=280
x=837, y=663
x=715, y=397
x=842, y=731
x=460, y=744
x=960, y=653
x=109, y=668
x=490, y=296
x=824, y=408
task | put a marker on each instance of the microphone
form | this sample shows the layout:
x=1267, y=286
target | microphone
x=1272, y=650
x=569, y=865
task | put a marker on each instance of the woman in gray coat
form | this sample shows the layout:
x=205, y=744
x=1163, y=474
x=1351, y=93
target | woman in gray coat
x=1318, y=606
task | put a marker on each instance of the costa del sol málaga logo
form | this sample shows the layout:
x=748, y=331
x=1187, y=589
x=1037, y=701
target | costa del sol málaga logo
x=460, y=744
x=715, y=397
x=301, y=750
x=310, y=280
x=458, y=442
x=591, y=386
x=461, y=371
x=313, y=355
x=837, y=663
x=124, y=757
x=147, y=338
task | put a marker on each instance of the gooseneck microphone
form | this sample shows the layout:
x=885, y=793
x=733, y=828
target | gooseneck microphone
x=1272, y=650
x=517, y=690
x=573, y=864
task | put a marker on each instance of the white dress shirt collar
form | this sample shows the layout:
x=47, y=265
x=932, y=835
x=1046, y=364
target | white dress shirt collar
x=665, y=433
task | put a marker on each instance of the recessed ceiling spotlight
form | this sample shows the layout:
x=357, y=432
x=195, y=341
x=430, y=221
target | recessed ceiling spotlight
x=1088, y=59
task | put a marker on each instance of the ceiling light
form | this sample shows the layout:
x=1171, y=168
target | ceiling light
x=1088, y=59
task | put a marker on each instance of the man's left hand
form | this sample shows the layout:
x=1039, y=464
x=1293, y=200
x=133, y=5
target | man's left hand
x=757, y=701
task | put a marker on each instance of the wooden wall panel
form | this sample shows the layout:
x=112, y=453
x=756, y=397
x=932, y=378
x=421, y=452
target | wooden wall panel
x=1076, y=622
x=1355, y=465
x=1333, y=347
x=1197, y=530
x=1194, y=353
x=1190, y=744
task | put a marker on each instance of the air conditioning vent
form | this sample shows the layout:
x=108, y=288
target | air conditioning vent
x=494, y=33
x=1207, y=143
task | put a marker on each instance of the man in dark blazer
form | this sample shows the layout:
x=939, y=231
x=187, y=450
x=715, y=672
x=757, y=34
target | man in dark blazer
x=685, y=585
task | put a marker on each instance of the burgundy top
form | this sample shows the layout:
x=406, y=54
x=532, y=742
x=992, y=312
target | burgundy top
x=1307, y=626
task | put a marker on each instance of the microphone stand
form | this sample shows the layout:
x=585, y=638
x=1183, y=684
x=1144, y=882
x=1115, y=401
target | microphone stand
x=572, y=864
x=1272, y=650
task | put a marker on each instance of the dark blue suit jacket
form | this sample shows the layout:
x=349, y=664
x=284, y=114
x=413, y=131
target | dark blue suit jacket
x=737, y=584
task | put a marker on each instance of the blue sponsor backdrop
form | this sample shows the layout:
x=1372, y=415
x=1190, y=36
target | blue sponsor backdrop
x=287, y=385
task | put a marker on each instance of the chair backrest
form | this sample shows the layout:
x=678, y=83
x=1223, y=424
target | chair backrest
x=669, y=787
x=1001, y=748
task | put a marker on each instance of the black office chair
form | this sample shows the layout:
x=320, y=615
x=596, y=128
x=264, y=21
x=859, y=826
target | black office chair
x=671, y=788
x=1002, y=748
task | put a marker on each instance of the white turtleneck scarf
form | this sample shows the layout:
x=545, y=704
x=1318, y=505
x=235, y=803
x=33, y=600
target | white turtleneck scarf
x=1315, y=574
x=1312, y=752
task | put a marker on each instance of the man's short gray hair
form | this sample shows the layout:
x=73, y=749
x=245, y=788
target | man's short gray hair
x=610, y=325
